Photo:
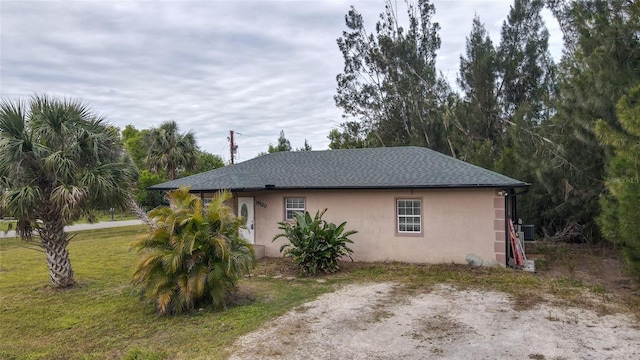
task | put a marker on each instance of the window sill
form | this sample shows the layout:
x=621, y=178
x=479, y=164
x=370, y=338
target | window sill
x=407, y=234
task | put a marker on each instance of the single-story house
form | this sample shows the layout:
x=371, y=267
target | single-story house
x=408, y=204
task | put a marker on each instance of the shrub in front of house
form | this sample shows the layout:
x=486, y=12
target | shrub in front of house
x=194, y=255
x=315, y=244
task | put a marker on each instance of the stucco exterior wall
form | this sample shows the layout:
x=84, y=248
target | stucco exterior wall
x=456, y=223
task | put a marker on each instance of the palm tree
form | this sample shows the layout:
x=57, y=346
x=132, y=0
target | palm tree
x=193, y=255
x=58, y=160
x=170, y=150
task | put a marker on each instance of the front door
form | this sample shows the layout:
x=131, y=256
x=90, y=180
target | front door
x=245, y=209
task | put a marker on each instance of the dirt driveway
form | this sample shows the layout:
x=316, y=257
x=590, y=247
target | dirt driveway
x=381, y=321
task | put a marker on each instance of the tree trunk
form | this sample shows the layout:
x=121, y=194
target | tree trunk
x=54, y=242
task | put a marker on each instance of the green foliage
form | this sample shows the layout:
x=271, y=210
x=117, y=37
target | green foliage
x=526, y=67
x=352, y=136
x=156, y=171
x=283, y=144
x=150, y=199
x=206, y=161
x=389, y=84
x=477, y=116
x=620, y=216
x=195, y=255
x=314, y=244
x=528, y=84
x=306, y=146
x=601, y=62
x=169, y=150
x=129, y=132
x=134, y=143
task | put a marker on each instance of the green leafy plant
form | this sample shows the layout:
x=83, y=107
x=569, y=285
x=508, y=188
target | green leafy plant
x=314, y=244
x=193, y=255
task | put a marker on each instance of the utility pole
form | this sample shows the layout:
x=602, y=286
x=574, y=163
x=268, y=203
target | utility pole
x=232, y=146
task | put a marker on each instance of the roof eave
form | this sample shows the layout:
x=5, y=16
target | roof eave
x=378, y=187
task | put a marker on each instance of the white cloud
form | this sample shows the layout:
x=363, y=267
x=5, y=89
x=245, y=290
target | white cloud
x=256, y=67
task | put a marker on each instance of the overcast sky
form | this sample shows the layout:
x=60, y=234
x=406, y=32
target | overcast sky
x=256, y=67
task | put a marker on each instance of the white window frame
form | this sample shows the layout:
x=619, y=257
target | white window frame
x=412, y=215
x=293, y=208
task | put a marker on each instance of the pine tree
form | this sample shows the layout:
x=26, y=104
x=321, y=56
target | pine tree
x=283, y=144
x=390, y=84
x=352, y=136
x=527, y=68
x=601, y=62
x=527, y=86
x=478, y=113
x=305, y=147
x=620, y=215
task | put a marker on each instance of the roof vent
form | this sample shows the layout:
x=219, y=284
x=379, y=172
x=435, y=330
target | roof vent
x=269, y=186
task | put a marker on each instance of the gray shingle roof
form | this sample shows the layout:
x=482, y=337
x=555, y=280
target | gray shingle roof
x=375, y=168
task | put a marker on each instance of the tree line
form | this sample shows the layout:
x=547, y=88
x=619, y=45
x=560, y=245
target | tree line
x=571, y=129
x=162, y=154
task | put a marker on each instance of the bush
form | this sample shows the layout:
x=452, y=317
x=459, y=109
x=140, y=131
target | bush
x=193, y=256
x=315, y=245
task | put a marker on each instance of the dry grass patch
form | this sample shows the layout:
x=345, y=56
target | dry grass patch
x=556, y=286
x=438, y=328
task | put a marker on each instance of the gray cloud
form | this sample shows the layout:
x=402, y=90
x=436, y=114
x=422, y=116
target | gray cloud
x=252, y=66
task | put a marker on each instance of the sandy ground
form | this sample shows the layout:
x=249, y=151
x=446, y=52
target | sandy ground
x=380, y=321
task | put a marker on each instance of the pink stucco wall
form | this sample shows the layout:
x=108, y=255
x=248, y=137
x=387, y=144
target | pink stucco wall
x=456, y=223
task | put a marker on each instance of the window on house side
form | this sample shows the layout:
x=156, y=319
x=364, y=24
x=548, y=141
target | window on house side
x=409, y=216
x=293, y=206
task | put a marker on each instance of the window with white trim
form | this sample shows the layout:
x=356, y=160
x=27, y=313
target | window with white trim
x=293, y=206
x=409, y=216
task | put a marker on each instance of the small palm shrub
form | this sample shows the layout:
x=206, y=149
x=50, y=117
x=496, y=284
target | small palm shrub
x=193, y=255
x=314, y=244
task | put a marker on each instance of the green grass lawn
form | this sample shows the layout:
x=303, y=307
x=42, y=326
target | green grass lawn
x=5, y=225
x=106, y=216
x=104, y=318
